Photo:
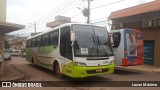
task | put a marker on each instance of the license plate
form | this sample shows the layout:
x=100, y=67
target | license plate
x=99, y=70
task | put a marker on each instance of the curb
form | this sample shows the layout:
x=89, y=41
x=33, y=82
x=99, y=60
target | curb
x=157, y=71
x=139, y=69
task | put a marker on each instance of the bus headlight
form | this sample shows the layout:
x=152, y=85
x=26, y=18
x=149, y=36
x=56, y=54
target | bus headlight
x=80, y=64
x=111, y=62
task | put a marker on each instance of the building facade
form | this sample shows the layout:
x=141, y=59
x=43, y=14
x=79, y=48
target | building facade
x=58, y=21
x=146, y=18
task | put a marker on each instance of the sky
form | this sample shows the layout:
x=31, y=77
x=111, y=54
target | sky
x=27, y=12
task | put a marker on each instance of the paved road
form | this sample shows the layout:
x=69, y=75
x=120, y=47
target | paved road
x=41, y=74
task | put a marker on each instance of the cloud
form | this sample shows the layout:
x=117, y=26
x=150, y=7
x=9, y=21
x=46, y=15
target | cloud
x=25, y=11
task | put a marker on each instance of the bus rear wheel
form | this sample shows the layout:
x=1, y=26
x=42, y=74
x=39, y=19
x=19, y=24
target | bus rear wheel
x=57, y=71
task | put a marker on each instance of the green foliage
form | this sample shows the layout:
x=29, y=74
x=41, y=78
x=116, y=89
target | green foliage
x=7, y=45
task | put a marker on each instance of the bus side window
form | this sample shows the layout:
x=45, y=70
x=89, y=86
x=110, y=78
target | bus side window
x=28, y=44
x=33, y=43
x=38, y=41
x=116, y=39
x=65, y=43
x=45, y=39
x=53, y=37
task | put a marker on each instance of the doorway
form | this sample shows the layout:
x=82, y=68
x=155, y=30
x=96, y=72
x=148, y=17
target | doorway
x=148, y=52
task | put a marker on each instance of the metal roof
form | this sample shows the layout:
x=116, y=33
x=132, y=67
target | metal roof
x=6, y=27
x=143, y=8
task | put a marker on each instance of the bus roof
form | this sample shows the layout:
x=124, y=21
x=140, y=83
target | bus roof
x=57, y=27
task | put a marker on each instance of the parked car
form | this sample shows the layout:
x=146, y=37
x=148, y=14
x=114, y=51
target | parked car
x=16, y=53
x=7, y=55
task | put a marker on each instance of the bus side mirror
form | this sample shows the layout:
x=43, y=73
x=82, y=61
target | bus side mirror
x=73, y=36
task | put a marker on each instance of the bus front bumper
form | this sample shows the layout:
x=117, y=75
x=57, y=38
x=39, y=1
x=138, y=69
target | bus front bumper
x=80, y=71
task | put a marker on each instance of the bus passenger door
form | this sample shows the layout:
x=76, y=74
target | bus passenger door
x=66, y=51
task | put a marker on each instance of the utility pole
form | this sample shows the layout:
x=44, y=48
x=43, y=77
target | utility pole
x=88, y=16
x=86, y=11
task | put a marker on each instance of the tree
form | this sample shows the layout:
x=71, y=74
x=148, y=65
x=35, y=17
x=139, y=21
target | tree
x=7, y=45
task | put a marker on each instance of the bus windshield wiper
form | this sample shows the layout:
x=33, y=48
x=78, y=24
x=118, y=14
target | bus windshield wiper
x=99, y=43
x=94, y=41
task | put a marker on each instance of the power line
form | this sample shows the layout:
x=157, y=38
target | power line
x=76, y=15
x=48, y=19
x=69, y=9
x=53, y=10
x=100, y=7
x=63, y=12
x=81, y=11
x=107, y=4
x=55, y=15
x=103, y=6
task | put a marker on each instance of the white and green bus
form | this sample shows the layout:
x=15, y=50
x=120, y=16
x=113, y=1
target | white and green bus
x=75, y=50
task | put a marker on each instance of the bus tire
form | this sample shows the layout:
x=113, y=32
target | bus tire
x=33, y=62
x=57, y=70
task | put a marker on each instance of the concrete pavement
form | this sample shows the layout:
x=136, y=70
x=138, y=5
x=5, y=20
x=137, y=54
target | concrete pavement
x=144, y=67
x=10, y=74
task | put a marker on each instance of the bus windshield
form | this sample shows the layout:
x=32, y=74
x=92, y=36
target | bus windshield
x=91, y=41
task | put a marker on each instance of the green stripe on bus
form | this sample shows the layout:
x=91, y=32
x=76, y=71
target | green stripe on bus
x=47, y=49
x=30, y=53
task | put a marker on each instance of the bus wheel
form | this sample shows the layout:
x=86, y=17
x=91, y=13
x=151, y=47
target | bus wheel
x=57, y=71
x=33, y=62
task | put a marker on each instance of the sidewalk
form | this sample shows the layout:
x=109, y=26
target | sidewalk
x=11, y=74
x=144, y=67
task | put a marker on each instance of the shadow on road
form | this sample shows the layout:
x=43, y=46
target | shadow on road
x=26, y=75
x=122, y=71
x=99, y=80
x=66, y=78
x=74, y=82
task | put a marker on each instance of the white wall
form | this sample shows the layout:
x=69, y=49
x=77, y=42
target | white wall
x=2, y=10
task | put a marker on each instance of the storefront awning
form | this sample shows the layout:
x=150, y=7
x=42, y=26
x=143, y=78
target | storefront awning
x=6, y=27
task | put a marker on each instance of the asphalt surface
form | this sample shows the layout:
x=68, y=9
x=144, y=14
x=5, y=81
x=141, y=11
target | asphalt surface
x=100, y=82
